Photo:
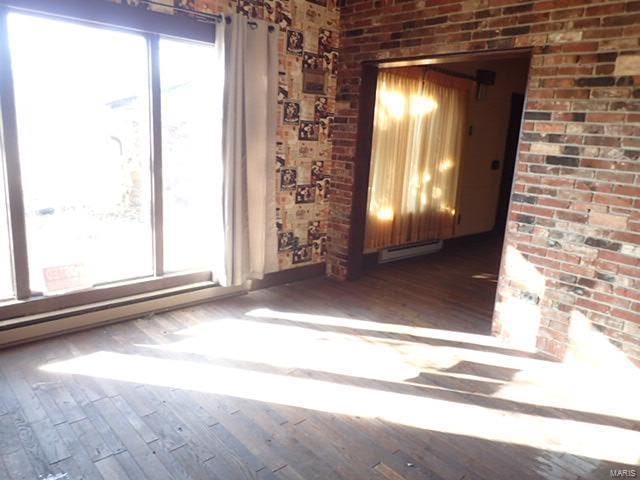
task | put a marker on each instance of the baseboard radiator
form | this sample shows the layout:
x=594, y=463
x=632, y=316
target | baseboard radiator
x=392, y=254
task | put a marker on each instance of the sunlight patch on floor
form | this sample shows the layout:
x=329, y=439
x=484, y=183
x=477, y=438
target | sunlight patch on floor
x=594, y=376
x=579, y=438
x=569, y=385
x=394, y=328
x=292, y=347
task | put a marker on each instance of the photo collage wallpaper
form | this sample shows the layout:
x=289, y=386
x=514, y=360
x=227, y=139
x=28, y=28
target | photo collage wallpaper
x=308, y=55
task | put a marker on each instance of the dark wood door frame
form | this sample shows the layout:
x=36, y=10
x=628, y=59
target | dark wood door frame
x=510, y=157
x=367, y=97
x=361, y=171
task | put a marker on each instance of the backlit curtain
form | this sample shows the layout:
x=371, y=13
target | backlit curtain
x=418, y=134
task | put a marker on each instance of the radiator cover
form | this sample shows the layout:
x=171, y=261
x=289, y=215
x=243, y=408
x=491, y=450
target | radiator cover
x=406, y=251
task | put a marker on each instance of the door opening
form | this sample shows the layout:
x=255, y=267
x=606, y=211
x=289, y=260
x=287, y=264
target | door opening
x=442, y=173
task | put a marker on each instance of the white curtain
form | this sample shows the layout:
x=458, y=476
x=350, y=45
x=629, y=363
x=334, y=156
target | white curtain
x=249, y=131
x=217, y=183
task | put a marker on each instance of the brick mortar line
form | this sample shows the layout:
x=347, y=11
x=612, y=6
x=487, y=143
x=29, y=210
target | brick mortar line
x=598, y=40
x=583, y=265
x=592, y=227
x=595, y=180
x=592, y=179
x=500, y=15
x=568, y=144
x=526, y=176
x=582, y=202
x=575, y=111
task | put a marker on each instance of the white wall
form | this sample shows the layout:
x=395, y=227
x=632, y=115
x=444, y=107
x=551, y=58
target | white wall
x=479, y=187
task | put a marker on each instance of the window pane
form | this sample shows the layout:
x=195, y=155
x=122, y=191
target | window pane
x=6, y=280
x=82, y=106
x=192, y=169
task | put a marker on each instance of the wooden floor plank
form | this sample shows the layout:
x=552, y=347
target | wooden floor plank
x=82, y=466
x=4, y=473
x=42, y=391
x=18, y=466
x=193, y=465
x=256, y=440
x=53, y=446
x=8, y=434
x=134, y=468
x=136, y=421
x=29, y=403
x=94, y=444
x=98, y=433
x=34, y=452
x=8, y=400
x=298, y=336
x=130, y=438
x=110, y=468
x=172, y=463
x=166, y=430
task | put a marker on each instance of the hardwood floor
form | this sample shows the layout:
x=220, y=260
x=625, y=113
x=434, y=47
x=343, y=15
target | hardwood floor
x=390, y=377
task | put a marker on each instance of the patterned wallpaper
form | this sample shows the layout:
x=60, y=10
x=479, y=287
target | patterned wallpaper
x=306, y=105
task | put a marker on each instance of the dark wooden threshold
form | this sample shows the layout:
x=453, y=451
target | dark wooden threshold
x=290, y=275
x=370, y=260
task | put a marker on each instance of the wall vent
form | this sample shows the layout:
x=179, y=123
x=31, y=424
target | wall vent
x=406, y=251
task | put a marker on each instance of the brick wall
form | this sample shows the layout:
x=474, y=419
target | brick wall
x=573, y=237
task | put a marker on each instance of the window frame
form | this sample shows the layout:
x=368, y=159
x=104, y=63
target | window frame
x=110, y=16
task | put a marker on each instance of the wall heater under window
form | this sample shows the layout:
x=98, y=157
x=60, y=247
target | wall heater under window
x=412, y=250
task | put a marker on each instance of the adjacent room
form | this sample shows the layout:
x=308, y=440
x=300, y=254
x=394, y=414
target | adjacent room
x=442, y=158
x=319, y=239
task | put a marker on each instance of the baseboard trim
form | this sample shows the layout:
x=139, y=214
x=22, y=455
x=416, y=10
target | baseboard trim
x=37, y=327
x=91, y=317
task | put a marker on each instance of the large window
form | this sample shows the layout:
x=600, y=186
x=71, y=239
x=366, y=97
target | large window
x=116, y=166
x=190, y=141
x=83, y=137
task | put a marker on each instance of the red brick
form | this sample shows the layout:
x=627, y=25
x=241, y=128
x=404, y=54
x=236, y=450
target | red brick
x=575, y=100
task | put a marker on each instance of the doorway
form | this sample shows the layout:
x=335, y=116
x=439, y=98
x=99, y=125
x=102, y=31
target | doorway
x=484, y=168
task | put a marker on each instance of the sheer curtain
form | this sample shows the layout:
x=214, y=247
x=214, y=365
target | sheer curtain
x=249, y=131
x=418, y=134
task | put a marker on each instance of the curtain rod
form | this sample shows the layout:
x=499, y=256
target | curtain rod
x=453, y=73
x=212, y=17
x=202, y=15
